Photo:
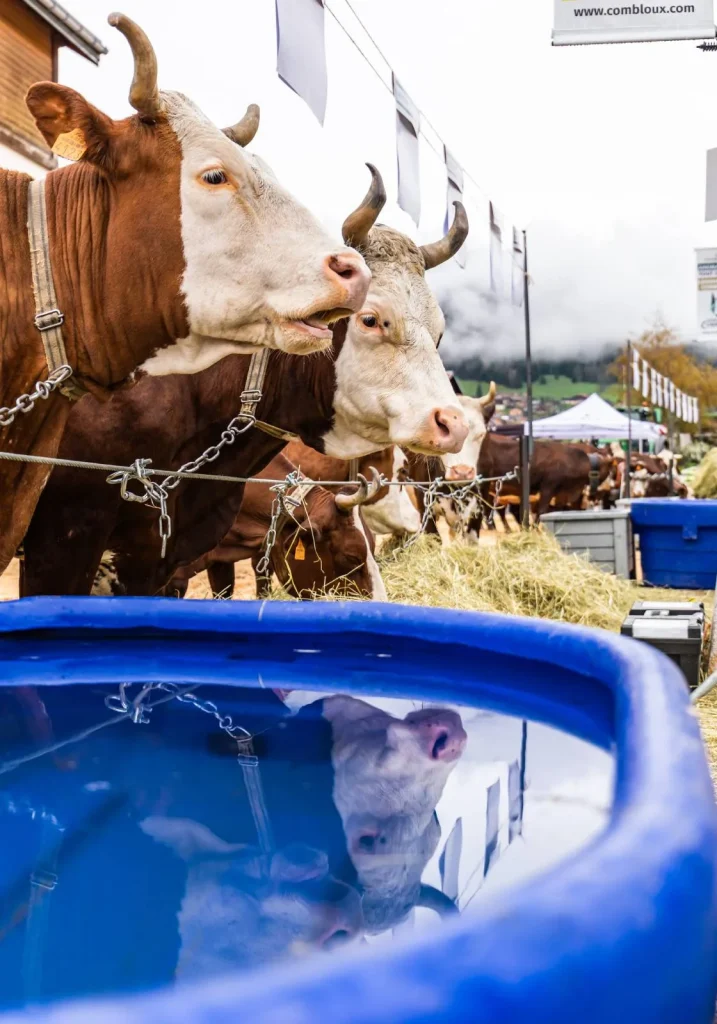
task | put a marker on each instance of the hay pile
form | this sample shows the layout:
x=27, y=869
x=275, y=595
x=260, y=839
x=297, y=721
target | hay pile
x=525, y=574
x=704, y=480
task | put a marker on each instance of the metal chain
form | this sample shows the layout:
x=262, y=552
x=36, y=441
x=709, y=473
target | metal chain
x=281, y=505
x=43, y=389
x=156, y=495
x=138, y=710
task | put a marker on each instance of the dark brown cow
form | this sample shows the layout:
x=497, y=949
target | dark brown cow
x=650, y=478
x=164, y=229
x=324, y=546
x=379, y=385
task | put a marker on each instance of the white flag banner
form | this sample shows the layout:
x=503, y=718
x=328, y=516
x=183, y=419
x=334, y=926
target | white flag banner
x=645, y=379
x=301, y=51
x=671, y=387
x=697, y=410
x=581, y=21
x=711, y=191
x=496, y=250
x=678, y=404
x=660, y=387
x=653, y=386
x=408, y=125
x=518, y=269
x=636, y=372
x=706, y=294
x=454, y=193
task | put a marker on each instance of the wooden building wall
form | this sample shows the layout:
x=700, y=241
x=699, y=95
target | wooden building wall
x=27, y=55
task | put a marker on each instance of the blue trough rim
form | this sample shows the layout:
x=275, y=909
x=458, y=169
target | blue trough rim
x=624, y=931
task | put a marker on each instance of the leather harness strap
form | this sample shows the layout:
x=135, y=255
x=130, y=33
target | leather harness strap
x=594, y=474
x=252, y=394
x=48, y=318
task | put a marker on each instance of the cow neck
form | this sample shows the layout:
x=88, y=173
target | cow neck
x=119, y=307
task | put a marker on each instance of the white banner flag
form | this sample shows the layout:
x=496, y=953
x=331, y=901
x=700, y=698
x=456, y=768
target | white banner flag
x=408, y=125
x=672, y=395
x=454, y=192
x=706, y=294
x=496, y=251
x=645, y=379
x=697, y=410
x=636, y=374
x=653, y=386
x=301, y=56
x=661, y=390
x=518, y=269
x=581, y=21
x=678, y=404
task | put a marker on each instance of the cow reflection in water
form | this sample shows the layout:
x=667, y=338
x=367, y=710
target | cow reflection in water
x=351, y=792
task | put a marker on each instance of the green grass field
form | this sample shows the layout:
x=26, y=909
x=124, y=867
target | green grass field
x=550, y=387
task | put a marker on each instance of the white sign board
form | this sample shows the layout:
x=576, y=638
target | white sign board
x=584, y=21
x=706, y=294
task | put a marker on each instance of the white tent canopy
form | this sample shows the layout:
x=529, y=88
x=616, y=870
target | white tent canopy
x=593, y=417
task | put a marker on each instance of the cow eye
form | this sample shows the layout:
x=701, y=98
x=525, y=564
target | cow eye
x=214, y=177
x=369, y=321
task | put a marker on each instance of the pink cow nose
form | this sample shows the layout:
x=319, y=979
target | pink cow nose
x=441, y=733
x=460, y=473
x=445, y=430
x=348, y=270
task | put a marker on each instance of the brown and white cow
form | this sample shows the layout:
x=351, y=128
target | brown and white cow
x=323, y=546
x=390, y=510
x=170, y=247
x=381, y=384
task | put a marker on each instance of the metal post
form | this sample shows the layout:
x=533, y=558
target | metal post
x=525, y=481
x=528, y=354
x=628, y=404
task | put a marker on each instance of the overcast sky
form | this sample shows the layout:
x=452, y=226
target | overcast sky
x=598, y=150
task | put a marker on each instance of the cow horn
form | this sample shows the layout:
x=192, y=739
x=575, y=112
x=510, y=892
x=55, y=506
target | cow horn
x=364, y=492
x=358, y=224
x=439, y=252
x=244, y=131
x=490, y=397
x=144, y=93
x=434, y=899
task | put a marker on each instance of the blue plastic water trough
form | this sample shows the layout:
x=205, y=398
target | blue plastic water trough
x=624, y=930
x=678, y=542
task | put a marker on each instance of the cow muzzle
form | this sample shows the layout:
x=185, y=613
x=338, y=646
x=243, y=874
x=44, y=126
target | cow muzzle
x=460, y=473
x=349, y=276
x=445, y=430
x=440, y=733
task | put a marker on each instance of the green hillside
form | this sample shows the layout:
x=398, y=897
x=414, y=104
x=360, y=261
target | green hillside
x=549, y=386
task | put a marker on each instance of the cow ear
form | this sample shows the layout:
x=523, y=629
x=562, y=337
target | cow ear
x=71, y=126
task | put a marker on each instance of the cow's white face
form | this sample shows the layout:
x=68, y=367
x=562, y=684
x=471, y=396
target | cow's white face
x=244, y=909
x=260, y=271
x=395, y=514
x=391, y=386
x=463, y=465
x=388, y=777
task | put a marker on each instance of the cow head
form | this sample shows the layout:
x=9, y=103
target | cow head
x=463, y=465
x=388, y=777
x=391, y=386
x=332, y=549
x=242, y=908
x=170, y=230
x=391, y=511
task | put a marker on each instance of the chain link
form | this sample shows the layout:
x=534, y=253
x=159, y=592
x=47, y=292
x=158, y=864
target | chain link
x=43, y=389
x=282, y=505
x=156, y=495
x=138, y=710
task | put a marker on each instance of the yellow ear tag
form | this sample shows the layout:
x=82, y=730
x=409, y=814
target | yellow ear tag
x=299, y=551
x=70, y=145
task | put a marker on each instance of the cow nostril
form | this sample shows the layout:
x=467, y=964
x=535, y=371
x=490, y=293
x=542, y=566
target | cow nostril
x=343, y=266
x=338, y=938
x=439, y=745
x=440, y=421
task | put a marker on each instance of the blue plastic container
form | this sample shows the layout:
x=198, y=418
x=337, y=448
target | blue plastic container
x=623, y=930
x=678, y=542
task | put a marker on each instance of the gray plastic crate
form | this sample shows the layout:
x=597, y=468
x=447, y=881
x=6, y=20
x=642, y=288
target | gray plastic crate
x=605, y=537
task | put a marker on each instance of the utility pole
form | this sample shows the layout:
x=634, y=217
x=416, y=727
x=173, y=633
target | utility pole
x=526, y=445
x=628, y=406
